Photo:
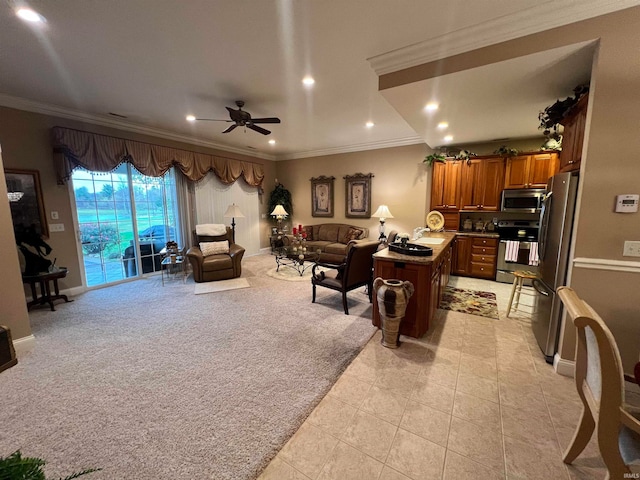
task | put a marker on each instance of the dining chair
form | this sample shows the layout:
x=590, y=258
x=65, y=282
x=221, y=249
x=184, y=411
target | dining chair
x=600, y=383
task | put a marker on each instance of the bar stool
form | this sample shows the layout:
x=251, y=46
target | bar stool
x=519, y=277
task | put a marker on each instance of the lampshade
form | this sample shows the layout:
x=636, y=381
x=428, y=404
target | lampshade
x=279, y=211
x=382, y=212
x=233, y=212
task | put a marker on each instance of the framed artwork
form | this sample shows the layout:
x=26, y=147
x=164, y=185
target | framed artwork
x=274, y=230
x=358, y=195
x=25, y=199
x=322, y=196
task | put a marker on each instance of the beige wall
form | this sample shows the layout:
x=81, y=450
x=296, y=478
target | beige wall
x=14, y=308
x=610, y=160
x=401, y=181
x=26, y=143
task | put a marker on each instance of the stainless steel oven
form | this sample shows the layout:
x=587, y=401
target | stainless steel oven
x=518, y=248
x=528, y=200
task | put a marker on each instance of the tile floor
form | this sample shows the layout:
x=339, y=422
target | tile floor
x=473, y=398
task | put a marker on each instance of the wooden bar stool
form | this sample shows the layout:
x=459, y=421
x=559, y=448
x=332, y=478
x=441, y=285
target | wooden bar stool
x=518, y=279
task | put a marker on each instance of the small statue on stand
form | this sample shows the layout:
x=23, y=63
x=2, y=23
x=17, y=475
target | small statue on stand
x=34, y=249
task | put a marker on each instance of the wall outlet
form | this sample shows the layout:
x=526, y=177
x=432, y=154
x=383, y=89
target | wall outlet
x=631, y=249
x=56, y=227
x=54, y=215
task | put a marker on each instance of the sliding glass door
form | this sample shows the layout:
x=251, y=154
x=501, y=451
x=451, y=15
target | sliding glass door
x=124, y=219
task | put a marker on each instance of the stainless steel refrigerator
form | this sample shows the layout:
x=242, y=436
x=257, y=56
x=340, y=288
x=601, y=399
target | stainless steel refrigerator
x=556, y=224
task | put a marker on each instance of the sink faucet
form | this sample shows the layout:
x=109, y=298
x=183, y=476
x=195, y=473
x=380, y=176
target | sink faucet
x=417, y=232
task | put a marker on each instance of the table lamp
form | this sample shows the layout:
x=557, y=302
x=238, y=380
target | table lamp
x=382, y=213
x=232, y=212
x=279, y=213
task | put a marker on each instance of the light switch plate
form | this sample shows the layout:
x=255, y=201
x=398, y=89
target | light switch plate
x=631, y=249
x=56, y=227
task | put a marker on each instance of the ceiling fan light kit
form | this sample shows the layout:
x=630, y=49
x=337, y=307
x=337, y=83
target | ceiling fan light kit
x=242, y=118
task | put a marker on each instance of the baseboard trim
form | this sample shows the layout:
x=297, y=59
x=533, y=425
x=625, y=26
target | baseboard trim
x=563, y=367
x=24, y=344
x=607, y=264
x=70, y=292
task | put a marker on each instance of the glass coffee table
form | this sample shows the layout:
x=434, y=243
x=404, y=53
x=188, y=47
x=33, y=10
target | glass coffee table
x=299, y=260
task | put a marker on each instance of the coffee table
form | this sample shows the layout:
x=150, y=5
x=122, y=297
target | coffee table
x=299, y=261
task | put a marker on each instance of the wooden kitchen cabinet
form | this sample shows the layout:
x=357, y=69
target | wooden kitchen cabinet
x=530, y=171
x=481, y=183
x=476, y=256
x=445, y=186
x=573, y=137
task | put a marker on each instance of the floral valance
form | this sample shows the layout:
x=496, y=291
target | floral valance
x=102, y=153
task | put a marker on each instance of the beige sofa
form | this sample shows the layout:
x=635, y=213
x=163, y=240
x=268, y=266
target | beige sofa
x=332, y=239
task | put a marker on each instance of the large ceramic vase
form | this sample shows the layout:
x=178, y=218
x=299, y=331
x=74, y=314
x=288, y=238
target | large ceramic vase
x=393, y=298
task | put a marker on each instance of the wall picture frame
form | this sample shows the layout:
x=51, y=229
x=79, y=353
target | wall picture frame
x=322, y=196
x=358, y=195
x=25, y=200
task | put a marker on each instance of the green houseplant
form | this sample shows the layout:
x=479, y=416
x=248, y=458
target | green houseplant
x=434, y=157
x=17, y=467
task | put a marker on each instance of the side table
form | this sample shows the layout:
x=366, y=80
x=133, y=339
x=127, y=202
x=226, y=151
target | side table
x=178, y=266
x=44, y=279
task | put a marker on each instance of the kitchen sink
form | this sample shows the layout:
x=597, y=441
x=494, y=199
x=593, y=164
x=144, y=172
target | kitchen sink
x=428, y=241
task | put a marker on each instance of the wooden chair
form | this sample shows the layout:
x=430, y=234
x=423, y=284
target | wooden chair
x=519, y=277
x=600, y=384
x=356, y=271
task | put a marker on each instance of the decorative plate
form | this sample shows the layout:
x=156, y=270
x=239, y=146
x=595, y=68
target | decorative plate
x=435, y=221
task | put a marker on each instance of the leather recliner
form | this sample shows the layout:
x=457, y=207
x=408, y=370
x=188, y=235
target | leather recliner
x=222, y=266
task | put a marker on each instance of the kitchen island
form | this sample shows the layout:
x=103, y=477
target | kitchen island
x=429, y=276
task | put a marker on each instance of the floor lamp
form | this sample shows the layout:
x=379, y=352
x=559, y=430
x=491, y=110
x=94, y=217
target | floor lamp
x=382, y=213
x=232, y=212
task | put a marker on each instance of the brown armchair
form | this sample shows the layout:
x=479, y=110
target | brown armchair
x=221, y=266
x=356, y=271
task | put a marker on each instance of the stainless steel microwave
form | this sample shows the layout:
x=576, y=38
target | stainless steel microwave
x=526, y=200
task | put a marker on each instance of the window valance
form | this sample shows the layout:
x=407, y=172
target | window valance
x=102, y=153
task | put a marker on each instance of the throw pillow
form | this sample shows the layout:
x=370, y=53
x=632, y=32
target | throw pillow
x=309, y=231
x=214, y=248
x=352, y=234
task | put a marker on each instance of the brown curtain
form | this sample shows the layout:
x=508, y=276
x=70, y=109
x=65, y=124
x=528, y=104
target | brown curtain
x=101, y=153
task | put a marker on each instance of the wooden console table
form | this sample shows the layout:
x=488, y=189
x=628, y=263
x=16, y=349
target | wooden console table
x=45, y=279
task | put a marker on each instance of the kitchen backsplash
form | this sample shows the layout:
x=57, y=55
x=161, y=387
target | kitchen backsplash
x=490, y=216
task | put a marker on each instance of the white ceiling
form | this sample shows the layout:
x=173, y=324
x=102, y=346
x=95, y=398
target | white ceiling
x=155, y=61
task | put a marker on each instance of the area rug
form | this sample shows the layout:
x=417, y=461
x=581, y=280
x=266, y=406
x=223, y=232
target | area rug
x=291, y=274
x=221, y=286
x=151, y=383
x=473, y=302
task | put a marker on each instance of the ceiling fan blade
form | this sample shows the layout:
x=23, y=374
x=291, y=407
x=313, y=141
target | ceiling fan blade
x=213, y=120
x=258, y=129
x=229, y=128
x=266, y=120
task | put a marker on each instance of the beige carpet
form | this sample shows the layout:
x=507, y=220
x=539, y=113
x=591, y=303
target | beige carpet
x=221, y=285
x=152, y=383
x=291, y=274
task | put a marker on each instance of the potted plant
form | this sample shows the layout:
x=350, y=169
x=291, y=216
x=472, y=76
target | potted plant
x=434, y=157
x=17, y=467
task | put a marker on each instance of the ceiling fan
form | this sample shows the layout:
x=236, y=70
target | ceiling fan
x=242, y=118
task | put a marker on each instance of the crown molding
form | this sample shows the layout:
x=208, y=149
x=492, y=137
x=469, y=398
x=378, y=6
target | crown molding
x=541, y=17
x=359, y=147
x=56, y=111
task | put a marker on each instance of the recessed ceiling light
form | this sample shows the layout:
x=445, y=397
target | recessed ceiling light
x=431, y=107
x=272, y=142
x=443, y=125
x=30, y=15
x=191, y=118
x=308, y=81
x=369, y=124
x=448, y=138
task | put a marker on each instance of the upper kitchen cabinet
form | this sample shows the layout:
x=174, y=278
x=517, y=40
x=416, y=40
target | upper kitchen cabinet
x=530, y=171
x=573, y=136
x=481, y=182
x=445, y=186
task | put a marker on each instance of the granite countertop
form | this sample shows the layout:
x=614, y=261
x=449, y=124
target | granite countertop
x=478, y=234
x=448, y=237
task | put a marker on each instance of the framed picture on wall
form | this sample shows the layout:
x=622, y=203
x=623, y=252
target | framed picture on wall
x=358, y=195
x=25, y=200
x=322, y=196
